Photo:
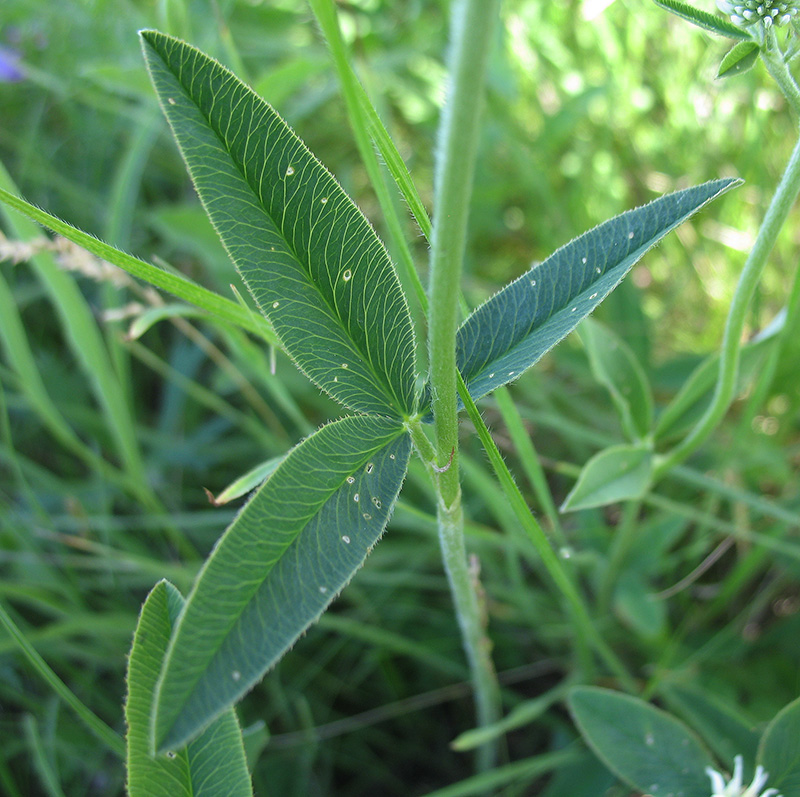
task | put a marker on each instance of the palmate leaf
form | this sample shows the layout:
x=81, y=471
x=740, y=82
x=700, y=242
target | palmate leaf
x=508, y=333
x=213, y=765
x=289, y=552
x=310, y=258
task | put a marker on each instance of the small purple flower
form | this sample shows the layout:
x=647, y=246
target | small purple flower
x=10, y=71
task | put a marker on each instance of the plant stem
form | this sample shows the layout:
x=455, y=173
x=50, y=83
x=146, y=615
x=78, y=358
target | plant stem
x=725, y=389
x=471, y=34
x=464, y=589
x=472, y=26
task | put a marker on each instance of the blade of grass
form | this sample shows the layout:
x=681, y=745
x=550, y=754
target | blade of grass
x=584, y=625
x=177, y=285
x=106, y=735
x=529, y=458
x=41, y=761
x=86, y=343
x=357, y=103
x=364, y=119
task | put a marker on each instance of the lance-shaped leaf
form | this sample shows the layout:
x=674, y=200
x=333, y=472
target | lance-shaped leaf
x=739, y=59
x=310, y=258
x=515, y=327
x=214, y=763
x=721, y=25
x=289, y=552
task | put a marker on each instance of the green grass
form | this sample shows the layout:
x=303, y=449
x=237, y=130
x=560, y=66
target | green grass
x=106, y=444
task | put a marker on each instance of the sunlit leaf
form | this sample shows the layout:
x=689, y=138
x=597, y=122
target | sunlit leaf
x=739, y=59
x=711, y=22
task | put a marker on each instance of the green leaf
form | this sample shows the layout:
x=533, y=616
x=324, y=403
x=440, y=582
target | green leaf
x=154, y=315
x=648, y=748
x=618, y=473
x=739, y=59
x=175, y=284
x=617, y=369
x=214, y=764
x=311, y=260
x=694, y=396
x=246, y=482
x=638, y=607
x=290, y=551
x=728, y=733
x=779, y=751
x=703, y=19
x=507, y=334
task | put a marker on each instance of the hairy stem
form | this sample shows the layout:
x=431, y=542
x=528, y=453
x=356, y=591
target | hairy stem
x=471, y=35
x=782, y=202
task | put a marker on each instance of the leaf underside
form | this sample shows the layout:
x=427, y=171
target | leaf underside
x=310, y=258
x=290, y=551
x=214, y=763
x=509, y=332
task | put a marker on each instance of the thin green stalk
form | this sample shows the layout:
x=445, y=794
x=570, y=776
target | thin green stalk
x=584, y=625
x=471, y=33
x=357, y=104
x=42, y=762
x=472, y=26
x=530, y=460
x=624, y=538
x=470, y=614
x=725, y=389
x=110, y=738
x=779, y=70
x=763, y=384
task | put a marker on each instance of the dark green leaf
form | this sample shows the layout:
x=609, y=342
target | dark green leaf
x=739, y=59
x=638, y=607
x=290, y=551
x=727, y=732
x=615, y=366
x=310, y=258
x=779, y=752
x=646, y=747
x=618, y=473
x=214, y=763
x=694, y=396
x=512, y=330
x=703, y=19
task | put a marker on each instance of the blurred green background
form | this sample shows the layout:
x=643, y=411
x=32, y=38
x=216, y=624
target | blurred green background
x=593, y=107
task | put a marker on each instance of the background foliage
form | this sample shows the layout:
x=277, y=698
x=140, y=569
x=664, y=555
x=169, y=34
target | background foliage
x=591, y=111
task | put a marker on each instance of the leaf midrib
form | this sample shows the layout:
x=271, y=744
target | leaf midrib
x=224, y=637
x=381, y=381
